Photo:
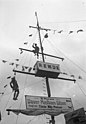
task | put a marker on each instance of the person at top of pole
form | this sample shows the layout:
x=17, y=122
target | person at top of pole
x=15, y=88
x=36, y=49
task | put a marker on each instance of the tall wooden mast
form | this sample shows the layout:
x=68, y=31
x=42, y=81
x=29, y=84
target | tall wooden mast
x=47, y=80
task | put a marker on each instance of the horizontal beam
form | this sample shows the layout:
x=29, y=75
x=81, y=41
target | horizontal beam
x=46, y=29
x=43, y=53
x=68, y=79
x=23, y=72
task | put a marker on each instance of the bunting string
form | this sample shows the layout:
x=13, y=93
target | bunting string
x=23, y=68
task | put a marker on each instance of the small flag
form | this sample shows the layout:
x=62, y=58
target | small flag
x=4, y=61
x=79, y=77
x=46, y=35
x=60, y=31
x=11, y=63
x=17, y=59
x=14, y=73
x=70, y=32
x=29, y=69
x=2, y=93
x=72, y=76
x=5, y=86
x=26, y=67
x=25, y=43
x=30, y=35
x=80, y=30
x=8, y=77
x=17, y=65
x=21, y=51
x=23, y=69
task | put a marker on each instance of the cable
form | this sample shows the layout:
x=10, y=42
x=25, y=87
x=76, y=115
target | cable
x=77, y=21
x=81, y=89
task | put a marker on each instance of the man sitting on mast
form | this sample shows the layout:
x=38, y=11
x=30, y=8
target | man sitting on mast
x=15, y=88
x=36, y=50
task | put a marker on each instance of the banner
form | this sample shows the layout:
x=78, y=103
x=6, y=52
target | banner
x=48, y=105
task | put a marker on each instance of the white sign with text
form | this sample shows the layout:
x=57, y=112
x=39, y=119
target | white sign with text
x=49, y=105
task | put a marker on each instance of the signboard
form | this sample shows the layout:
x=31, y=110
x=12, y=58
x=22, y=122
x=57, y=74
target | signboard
x=48, y=105
x=47, y=69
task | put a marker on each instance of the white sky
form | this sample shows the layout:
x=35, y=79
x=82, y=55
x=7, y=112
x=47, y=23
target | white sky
x=15, y=18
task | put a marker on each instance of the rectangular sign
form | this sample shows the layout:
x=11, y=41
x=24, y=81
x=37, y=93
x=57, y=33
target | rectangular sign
x=49, y=105
x=44, y=69
x=48, y=66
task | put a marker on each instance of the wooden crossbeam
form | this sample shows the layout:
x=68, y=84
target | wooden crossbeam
x=43, y=53
x=61, y=78
x=46, y=29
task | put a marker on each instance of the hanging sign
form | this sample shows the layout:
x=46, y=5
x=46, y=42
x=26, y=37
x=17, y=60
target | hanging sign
x=45, y=69
x=48, y=105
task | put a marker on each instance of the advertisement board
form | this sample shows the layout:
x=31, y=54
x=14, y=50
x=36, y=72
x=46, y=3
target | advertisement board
x=48, y=105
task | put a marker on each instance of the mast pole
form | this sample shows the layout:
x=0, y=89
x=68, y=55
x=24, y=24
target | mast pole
x=47, y=81
x=38, y=27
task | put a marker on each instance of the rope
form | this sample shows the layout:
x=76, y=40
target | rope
x=7, y=103
x=81, y=89
x=71, y=60
x=31, y=120
x=4, y=93
x=21, y=100
x=74, y=99
x=76, y=21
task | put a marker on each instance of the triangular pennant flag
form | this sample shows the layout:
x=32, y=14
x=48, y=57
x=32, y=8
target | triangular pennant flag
x=60, y=31
x=17, y=59
x=14, y=73
x=80, y=30
x=30, y=35
x=29, y=70
x=11, y=63
x=8, y=77
x=2, y=93
x=4, y=61
x=17, y=65
x=25, y=43
x=70, y=32
x=46, y=35
x=72, y=75
x=64, y=73
x=26, y=67
x=5, y=86
x=23, y=69
x=79, y=77
x=21, y=51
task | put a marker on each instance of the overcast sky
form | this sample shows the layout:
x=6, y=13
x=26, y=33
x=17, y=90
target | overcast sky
x=15, y=18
